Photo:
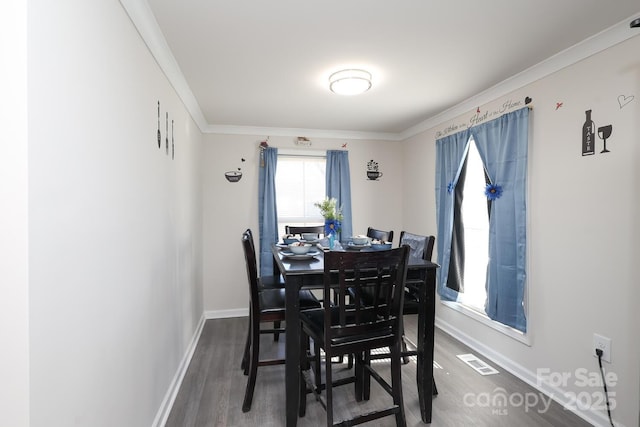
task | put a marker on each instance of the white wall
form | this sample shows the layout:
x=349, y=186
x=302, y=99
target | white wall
x=114, y=223
x=230, y=208
x=583, y=230
x=14, y=286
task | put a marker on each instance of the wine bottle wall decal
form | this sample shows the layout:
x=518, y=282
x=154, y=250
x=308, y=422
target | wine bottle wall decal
x=589, y=135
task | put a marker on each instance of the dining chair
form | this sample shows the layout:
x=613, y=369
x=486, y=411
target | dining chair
x=266, y=282
x=420, y=247
x=357, y=327
x=265, y=305
x=385, y=236
x=295, y=229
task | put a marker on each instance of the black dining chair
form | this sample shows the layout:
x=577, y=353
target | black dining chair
x=265, y=305
x=421, y=247
x=357, y=327
x=266, y=282
x=385, y=236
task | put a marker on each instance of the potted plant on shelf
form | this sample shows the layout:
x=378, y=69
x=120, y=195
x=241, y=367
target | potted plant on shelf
x=332, y=218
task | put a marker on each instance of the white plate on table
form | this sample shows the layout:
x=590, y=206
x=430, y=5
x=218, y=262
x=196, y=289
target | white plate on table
x=291, y=255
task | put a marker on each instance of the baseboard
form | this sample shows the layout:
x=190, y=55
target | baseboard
x=167, y=403
x=224, y=314
x=593, y=417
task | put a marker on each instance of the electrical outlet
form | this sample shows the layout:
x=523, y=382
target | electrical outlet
x=604, y=344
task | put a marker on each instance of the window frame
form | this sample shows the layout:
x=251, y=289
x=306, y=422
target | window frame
x=307, y=154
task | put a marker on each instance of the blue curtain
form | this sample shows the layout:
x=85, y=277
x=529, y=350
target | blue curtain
x=339, y=186
x=503, y=145
x=450, y=154
x=267, y=209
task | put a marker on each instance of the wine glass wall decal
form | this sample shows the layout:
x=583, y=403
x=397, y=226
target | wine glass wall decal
x=604, y=132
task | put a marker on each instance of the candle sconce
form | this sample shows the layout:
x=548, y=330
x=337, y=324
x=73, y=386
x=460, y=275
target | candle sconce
x=373, y=173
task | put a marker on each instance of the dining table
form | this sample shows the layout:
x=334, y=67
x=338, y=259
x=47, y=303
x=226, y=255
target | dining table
x=306, y=273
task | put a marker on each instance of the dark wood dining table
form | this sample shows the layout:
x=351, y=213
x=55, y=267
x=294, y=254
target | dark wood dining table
x=308, y=274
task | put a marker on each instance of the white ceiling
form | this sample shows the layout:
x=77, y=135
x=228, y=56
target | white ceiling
x=265, y=64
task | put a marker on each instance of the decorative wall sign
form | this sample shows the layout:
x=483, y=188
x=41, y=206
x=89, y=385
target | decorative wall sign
x=624, y=100
x=166, y=134
x=589, y=135
x=372, y=171
x=479, y=117
x=303, y=141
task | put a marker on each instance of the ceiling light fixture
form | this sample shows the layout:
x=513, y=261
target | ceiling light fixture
x=350, y=82
x=635, y=23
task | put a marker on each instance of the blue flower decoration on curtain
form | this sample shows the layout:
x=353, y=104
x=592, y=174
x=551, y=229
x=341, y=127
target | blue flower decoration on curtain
x=331, y=226
x=493, y=191
x=450, y=187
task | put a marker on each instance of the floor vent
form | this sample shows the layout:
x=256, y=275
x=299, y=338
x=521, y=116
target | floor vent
x=480, y=366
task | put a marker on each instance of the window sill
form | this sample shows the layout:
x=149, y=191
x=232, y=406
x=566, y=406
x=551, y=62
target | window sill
x=484, y=319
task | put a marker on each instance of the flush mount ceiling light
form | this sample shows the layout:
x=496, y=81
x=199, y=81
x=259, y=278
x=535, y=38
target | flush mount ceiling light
x=350, y=82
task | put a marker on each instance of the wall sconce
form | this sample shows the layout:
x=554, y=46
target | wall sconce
x=372, y=170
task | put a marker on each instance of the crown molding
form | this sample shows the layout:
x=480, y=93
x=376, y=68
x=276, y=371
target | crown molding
x=143, y=19
x=313, y=133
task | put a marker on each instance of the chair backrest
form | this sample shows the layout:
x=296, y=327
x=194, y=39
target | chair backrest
x=385, y=236
x=252, y=269
x=354, y=277
x=421, y=246
x=294, y=229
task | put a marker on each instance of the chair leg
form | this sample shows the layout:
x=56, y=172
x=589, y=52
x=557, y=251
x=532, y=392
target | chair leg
x=245, y=357
x=304, y=366
x=328, y=388
x=405, y=359
x=276, y=335
x=253, y=366
x=396, y=383
x=366, y=376
x=359, y=374
x=317, y=368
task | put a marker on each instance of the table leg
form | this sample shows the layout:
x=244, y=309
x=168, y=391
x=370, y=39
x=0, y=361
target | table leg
x=292, y=349
x=426, y=318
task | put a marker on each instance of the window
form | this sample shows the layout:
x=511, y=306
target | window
x=502, y=143
x=475, y=218
x=300, y=182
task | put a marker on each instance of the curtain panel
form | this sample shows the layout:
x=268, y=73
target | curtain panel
x=267, y=209
x=503, y=147
x=338, y=180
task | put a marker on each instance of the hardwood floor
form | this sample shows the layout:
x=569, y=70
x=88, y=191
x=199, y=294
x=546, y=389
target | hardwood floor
x=213, y=388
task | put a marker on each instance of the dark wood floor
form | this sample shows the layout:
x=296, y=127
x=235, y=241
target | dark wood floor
x=213, y=388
